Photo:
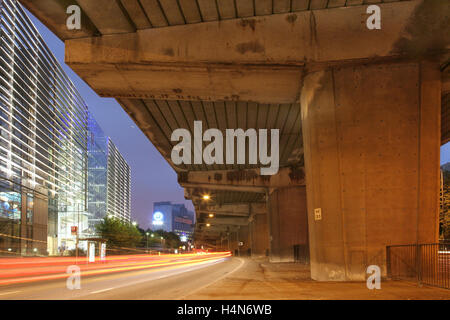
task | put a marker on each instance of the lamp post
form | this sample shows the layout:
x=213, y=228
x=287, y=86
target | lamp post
x=147, y=240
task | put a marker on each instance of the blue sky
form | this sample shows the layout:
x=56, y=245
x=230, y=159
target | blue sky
x=152, y=178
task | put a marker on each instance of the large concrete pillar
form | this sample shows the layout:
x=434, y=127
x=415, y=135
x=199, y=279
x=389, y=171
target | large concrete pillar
x=289, y=223
x=259, y=229
x=233, y=242
x=245, y=238
x=371, y=140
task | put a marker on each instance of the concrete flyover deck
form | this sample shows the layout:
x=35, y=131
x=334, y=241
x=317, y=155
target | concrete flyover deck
x=362, y=114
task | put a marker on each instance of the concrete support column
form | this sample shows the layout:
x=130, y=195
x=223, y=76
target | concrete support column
x=371, y=140
x=260, y=235
x=244, y=237
x=289, y=222
x=232, y=238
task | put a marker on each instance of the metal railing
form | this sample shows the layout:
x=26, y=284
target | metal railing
x=301, y=253
x=423, y=263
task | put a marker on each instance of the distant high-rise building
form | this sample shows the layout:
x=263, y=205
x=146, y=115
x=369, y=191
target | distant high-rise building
x=43, y=143
x=173, y=218
x=109, y=178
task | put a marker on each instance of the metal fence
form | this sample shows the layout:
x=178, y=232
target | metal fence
x=423, y=263
x=301, y=253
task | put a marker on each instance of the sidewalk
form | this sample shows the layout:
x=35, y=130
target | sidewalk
x=259, y=279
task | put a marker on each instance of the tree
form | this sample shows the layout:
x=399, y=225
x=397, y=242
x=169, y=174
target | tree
x=119, y=233
x=170, y=239
x=444, y=217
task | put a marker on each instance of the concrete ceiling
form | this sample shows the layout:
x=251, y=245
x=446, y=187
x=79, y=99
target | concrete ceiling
x=124, y=16
x=159, y=118
x=209, y=99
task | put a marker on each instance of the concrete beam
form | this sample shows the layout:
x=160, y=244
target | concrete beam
x=207, y=61
x=242, y=209
x=276, y=84
x=244, y=180
x=220, y=228
x=227, y=221
x=321, y=36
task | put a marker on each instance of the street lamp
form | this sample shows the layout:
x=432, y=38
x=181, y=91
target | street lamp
x=147, y=240
x=134, y=223
x=211, y=215
x=208, y=225
x=206, y=197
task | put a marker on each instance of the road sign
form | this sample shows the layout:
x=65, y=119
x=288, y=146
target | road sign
x=103, y=252
x=318, y=214
x=91, y=251
x=74, y=230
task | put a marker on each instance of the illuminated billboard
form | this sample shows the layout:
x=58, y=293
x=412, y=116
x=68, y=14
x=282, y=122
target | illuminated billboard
x=158, y=218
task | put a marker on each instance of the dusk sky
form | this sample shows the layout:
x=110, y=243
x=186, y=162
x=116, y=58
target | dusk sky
x=152, y=177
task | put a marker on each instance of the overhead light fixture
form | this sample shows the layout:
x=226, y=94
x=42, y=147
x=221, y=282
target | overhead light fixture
x=208, y=224
x=206, y=197
x=211, y=215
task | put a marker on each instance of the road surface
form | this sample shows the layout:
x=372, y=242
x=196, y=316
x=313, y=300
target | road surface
x=161, y=277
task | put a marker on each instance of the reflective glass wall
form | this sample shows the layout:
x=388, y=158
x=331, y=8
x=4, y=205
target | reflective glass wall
x=43, y=139
x=109, y=178
x=97, y=173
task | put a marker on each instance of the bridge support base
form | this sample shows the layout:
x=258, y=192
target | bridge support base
x=372, y=141
x=288, y=223
x=259, y=236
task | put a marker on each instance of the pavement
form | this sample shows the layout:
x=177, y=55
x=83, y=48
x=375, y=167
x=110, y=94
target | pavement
x=215, y=278
x=259, y=279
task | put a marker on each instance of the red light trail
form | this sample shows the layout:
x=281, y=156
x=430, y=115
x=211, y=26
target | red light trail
x=24, y=270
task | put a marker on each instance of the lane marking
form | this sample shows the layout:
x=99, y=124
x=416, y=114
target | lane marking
x=100, y=291
x=218, y=279
x=11, y=292
x=207, y=264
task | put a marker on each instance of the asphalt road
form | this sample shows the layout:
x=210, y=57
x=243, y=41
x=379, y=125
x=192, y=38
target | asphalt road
x=165, y=283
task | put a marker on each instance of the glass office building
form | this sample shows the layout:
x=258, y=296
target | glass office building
x=109, y=178
x=172, y=217
x=97, y=173
x=119, y=184
x=43, y=143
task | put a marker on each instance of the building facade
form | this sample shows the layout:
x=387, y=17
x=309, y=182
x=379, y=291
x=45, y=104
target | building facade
x=173, y=218
x=43, y=143
x=109, y=178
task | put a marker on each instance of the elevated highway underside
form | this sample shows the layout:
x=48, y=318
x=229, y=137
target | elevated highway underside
x=362, y=114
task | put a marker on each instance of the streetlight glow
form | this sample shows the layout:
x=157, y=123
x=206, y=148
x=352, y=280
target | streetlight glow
x=206, y=197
